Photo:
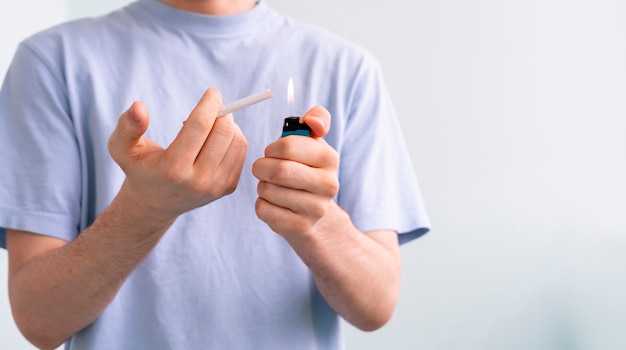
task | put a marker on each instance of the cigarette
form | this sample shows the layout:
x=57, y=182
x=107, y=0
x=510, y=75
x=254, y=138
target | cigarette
x=245, y=102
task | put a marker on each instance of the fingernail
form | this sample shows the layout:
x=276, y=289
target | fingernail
x=213, y=90
x=132, y=113
x=322, y=122
x=319, y=119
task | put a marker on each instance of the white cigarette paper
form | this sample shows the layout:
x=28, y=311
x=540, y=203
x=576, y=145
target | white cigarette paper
x=245, y=102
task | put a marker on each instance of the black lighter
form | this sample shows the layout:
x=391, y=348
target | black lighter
x=292, y=126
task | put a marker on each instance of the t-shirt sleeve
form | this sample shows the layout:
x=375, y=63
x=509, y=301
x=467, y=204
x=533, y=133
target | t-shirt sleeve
x=40, y=181
x=378, y=186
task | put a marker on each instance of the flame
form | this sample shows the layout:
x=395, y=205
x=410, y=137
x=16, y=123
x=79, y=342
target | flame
x=290, y=91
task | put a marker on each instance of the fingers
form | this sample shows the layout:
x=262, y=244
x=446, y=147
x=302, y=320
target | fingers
x=127, y=138
x=192, y=136
x=281, y=220
x=232, y=163
x=217, y=143
x=222, y=156
x=318, y=119
x=312, y=152
x=297, y=201
x=297, y=176
x=288, y=211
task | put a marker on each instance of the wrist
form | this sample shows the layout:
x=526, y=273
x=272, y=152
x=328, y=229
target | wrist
x=130, y=213
x=133, y=205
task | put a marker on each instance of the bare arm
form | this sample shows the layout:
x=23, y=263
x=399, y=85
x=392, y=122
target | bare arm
x=58, y=288
x=358, y=274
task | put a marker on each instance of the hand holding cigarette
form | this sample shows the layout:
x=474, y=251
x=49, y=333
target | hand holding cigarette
x=202, y=164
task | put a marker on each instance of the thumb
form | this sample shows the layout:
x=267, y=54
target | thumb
x=127, y=136
x=318, y=119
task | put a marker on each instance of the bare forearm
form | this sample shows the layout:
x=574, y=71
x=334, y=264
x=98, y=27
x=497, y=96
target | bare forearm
x=60, y=292
x=357, y=275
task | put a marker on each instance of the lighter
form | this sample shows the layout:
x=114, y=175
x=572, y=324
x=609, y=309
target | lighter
x=292, y=126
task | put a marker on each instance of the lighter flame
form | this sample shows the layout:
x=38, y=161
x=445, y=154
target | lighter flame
x=290, y=91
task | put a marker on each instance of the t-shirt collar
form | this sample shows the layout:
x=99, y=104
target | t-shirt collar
x=195, y=22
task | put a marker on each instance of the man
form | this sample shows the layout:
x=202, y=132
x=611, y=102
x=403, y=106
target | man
x=127, y=233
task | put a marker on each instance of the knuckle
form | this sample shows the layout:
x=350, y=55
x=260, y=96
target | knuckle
x=289, y=147
x=258, y=208
x=224, y=128
x=328, y=185
x=261, y=210
x=199, y=123
x=283, y=170
x=301, y=224
x=228, y=130
x=257, y=166
x=201, y=187
x=333, y=158
x=318, y=211
x=332, y=187
x=174, y=174
x=231, y=187
x=240, y=143
x=261, y=189
x=330, y=158
x=286, y=148
x=218, y=189
x=212, y=192
x=111, y=147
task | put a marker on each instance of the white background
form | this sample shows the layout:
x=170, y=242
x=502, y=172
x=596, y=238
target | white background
x=514, y=113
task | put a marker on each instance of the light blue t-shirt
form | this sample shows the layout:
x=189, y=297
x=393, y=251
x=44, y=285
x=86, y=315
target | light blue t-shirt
x=219, y=278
